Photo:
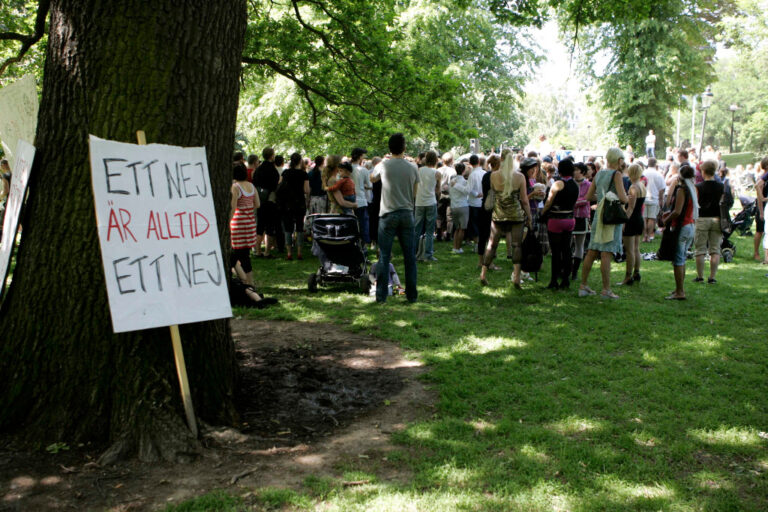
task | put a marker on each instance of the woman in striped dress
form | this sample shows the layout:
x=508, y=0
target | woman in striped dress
x=242, y=223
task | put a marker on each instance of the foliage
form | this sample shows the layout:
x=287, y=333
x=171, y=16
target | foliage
x=415, y=66
x=664, y=52
x=18, y=18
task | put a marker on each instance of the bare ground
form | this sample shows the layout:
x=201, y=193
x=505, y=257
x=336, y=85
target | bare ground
x=313, y=399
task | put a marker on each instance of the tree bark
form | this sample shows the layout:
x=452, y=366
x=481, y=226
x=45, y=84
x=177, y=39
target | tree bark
x=171, y=69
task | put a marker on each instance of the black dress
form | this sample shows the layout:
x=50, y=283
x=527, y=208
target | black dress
x=635, y=224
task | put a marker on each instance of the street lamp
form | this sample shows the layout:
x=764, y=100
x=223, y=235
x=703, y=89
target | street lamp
x=733, y=108
x=706, y=102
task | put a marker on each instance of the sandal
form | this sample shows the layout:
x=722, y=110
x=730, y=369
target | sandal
x=674, y=297
x=586, y=292
x=609, y=295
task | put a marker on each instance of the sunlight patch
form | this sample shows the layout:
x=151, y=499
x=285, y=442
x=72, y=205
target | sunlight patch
x=534, y=453
x=451, y=294
x=733, y=436
x=629, y=490
x=484, y=345
x=573, y=425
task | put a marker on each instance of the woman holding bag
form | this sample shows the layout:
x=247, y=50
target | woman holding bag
x=681, y=219
x=606, y=238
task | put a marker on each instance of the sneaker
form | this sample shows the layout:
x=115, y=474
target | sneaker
x=586, y=292
x=457, y=251
x=431, y=258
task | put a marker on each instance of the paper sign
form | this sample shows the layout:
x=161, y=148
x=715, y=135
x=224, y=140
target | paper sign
x=18, y=114
x=25, y=154
x=157, y=228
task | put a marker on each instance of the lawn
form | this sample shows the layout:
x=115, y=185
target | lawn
x=552, y=402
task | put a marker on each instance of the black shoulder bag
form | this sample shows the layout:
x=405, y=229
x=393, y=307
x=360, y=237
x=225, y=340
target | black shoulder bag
x=613, y=211
x=671, y=234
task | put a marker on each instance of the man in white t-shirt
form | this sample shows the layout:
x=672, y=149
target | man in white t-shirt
x=362, y=179
x=446, y=172
x=650, y=145
x=427, y=191
x=654, y=197
x=475, y=196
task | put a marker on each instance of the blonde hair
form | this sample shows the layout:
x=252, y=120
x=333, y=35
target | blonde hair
x=331, y=164
x=635, y=172
x=509, y=166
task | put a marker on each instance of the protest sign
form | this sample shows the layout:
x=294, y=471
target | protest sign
x=25, y=154
x=18, y=112
x=157, y=228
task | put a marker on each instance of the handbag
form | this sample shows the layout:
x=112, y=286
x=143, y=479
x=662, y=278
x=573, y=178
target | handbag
x=670, y=237
x=489, y=200
x=613, y=211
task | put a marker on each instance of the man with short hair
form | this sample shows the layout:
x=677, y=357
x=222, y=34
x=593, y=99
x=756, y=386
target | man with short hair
x=251, y=165
x=653, y=199
x=265, y=179
x=650, y=145
x=475, y=196
x=362, y=181
x=399, y=179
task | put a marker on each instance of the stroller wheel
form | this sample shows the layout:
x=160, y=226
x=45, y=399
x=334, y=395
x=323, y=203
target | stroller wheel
x=727, y=255
x=312, y=283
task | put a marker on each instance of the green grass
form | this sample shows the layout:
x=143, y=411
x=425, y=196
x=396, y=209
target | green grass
x=551, y=402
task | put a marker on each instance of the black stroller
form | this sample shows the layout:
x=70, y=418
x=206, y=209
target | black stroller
x=337, y=244
x=742, y=222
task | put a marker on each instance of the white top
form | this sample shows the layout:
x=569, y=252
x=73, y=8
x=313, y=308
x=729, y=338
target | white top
x=362, y=178
x=459, y=191
x=655, y=185
x=425, y=195
x=476, y=187
x=650, y=142
x=446, y=174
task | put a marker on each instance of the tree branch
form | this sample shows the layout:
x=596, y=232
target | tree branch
x=304, y=86
x=27, y=41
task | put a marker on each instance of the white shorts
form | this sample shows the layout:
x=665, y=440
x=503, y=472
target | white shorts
x=651, y=211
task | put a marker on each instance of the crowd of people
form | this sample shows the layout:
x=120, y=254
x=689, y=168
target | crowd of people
x=603, y=209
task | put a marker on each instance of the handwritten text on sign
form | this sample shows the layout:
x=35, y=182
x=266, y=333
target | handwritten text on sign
x=159, y=241
x=25, y=154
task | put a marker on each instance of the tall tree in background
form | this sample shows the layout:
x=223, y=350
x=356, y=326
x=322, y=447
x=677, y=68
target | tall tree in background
x=656, y=52
x=171, y=69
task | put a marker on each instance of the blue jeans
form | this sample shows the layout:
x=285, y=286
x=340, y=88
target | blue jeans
x=650, y=152
x=400, y=223
x=362, y=221
x=425, y=223
x=683, y=244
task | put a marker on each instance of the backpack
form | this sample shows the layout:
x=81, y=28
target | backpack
x=532, y=257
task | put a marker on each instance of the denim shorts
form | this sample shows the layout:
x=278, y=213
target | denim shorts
x=683, y=244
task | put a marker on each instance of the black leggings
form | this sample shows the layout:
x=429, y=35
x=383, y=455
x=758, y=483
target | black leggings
x=243, y=256
x=560, y=243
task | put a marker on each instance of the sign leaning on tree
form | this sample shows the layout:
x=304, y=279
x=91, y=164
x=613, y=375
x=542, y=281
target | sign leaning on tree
x=160, y=246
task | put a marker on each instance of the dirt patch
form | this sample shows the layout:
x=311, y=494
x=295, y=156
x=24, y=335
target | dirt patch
x=312, y=398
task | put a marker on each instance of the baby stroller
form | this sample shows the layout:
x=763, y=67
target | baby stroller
x=742, y=222
x=337, y=244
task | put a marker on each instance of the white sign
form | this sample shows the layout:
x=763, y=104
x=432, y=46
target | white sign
x=25, y=154
x=159, y=241
x=18, y=113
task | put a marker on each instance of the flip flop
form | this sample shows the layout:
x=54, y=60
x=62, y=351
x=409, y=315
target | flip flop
x=674, y=297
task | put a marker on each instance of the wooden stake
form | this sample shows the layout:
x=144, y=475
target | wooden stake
x=178, y=351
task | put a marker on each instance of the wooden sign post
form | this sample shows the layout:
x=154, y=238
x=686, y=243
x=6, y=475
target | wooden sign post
x=178, y=351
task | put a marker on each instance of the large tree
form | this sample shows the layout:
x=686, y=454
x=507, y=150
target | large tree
x=111, y=68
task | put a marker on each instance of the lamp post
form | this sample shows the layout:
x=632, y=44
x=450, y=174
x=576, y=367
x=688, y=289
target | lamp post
x=733, y=108
x=706, y=102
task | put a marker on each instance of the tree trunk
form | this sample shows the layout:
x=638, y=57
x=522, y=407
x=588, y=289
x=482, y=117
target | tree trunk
x=171, y=69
